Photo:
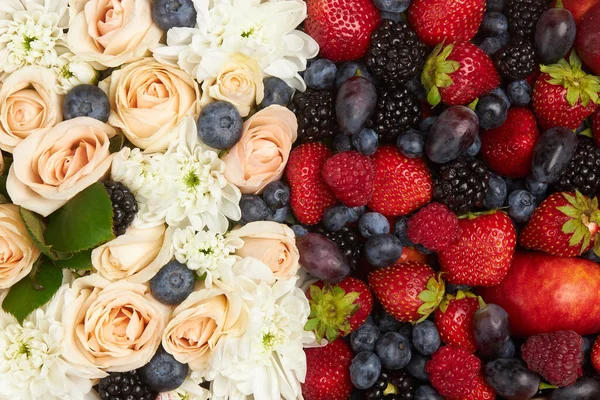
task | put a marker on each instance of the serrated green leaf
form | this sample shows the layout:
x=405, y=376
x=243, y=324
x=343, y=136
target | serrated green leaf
x=81, y=260
x=83, y=223
x=571, y=226
x=35, y=228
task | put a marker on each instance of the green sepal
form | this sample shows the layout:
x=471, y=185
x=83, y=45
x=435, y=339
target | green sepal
x=586, y=132
x=431, y=297
x=559, y=4
x=436, y=73
x=443, y=307
x=582, y=212
x=473, y=105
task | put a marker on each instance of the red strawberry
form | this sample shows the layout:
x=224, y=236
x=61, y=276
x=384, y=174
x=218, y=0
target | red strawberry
x=350, y=176
x=342, y=28
x=402, y=184
x=596, y=126
x=455, y=320
x=481, y=391
x=483, y=252
x=458, y=74
x=596, y=355
x=565, y=224
x=339, y=309
x=408, y=291
x=564, y=95
x=453, y=372
x=508, y=150
x=434, y=226
x=328, y=372
x=309, y=195
x=436, y=21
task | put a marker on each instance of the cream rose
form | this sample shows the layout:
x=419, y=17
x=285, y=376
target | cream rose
x=28, y=104
x=111, y=326
x=272, y=243
x=239, y=82
x=263, y=150
x=200, y=321
x=148, y=100
x=51, y=167
x=17, y=250
x=135, y=256
x=109, y=33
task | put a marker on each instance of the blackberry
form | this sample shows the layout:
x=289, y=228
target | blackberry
x=395, y=54
x=349, y=240
x=397, y=110
x=523, y=15
x=583, y=172
x=516, y=60
x=462, y=184
x=124, y=386
x=315, y=110
x=124, y=206
x=392, y=385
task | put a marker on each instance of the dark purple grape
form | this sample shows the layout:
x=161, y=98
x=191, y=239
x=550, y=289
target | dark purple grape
x=452, y=133
x=554, y=35
x=322, y=258
x=552, y=154
x=511, y=379
x=354, y=104
x=491, y=329
x=586, y=388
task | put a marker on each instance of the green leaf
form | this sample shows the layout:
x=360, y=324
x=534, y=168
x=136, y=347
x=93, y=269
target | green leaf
x=427, y=296
x=569, y=211
x=116, y=143
x=35, y=228
x=31, y=293
x=571, y=226
x=311, y=324
x=83, y=223
x=544, y=385
x=81, y=260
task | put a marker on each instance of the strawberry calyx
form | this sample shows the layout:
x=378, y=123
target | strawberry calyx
x=431, y=297
x=584, y=218
x=580, y=86
x=458, y=296
x=330, y=311
x=436, y=73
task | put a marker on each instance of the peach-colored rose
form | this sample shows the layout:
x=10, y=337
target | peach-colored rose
x=111, y=326
x=200, y=321
x=28, y=104
x=17, y=250
x=51, y=167
x=136, y=256
x=272, y=243
x=263, y=150
x=109, y=33
x=148, y=100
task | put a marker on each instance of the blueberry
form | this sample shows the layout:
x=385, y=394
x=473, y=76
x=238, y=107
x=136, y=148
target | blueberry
x=411, y=144
x=364, y=338
x=538, y=189
x=173, y=283
x=406, y=330
x=355, y=102
x=396, y=17
x=514, y=184
x=491, y=110
x=510, y=378
x=354, y=213
x=495, y=5
x=335, y=218
x=163, y=373
x=168, y=14
x=280, y=215
x=299, y=230
x=382, y=250
x=350, y=69
x=426, y=338
x=276, y=194
x=220, y=125
x=86, y=101
x=496, y=194
x=475, y=147
x=400, y=231
x=253, y=208
x=427, y=123
x=394, y=6
x=494, y=23
x=521, y=205
x=386, y=322
x=366, y=141
x=492, y=44
x=393, y=350
x=416, y=366
x=365, y=369
x=276, y=92
x=586, y=388
x=320, y=74
x=500, y=92
x=342, y=143
x=507, y=349
x=373, y=223
x=426, y=392
x=519, y=93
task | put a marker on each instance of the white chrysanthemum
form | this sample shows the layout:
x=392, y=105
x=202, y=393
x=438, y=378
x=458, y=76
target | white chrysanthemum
x=31, y=31
x=264, y=31
x=189, y=390
x=70, y=72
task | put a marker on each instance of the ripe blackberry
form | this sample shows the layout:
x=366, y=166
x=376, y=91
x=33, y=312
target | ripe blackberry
x=462, y=184
x=392, y=385
x=397, y=110
x=516, y=60
x=395, y=54
x=583, y=172
x=124, y=206
x=349, y=240
x=124, y=386
x=315, y=110
x=523, y=15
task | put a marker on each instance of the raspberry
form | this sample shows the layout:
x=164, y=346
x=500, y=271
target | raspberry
x=434, y=226
x=453, y=371
x=556, y=356
x=350, y=176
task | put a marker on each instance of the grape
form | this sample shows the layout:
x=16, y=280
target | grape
x=554, y=35
x=511, y=379
x=491, y=329
x=322, y=258
x=552, y=154
x=350, y=69
x=452, y=133
x=584, y=389
x=354, y=104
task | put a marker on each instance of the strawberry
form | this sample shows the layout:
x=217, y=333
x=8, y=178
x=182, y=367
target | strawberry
x=483, y=252
x=455, y=320
x=339, y=309
x=508, y=149
x=453, y=372
x=402, y=184
x=436, y=21
x=350, y=176
x=564, y=95
x=565, y=224
x=342, y=28
x=309, y=195
x=328, y=372
x=458, y=74
x=596, y=126
x=408, y=291
x=434, y=226
x=595, y=357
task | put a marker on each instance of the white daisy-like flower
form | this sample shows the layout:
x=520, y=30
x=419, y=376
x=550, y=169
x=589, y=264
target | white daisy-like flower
x=264, y=31
x=31, y=32
x=70, y=72
x=189, y=390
